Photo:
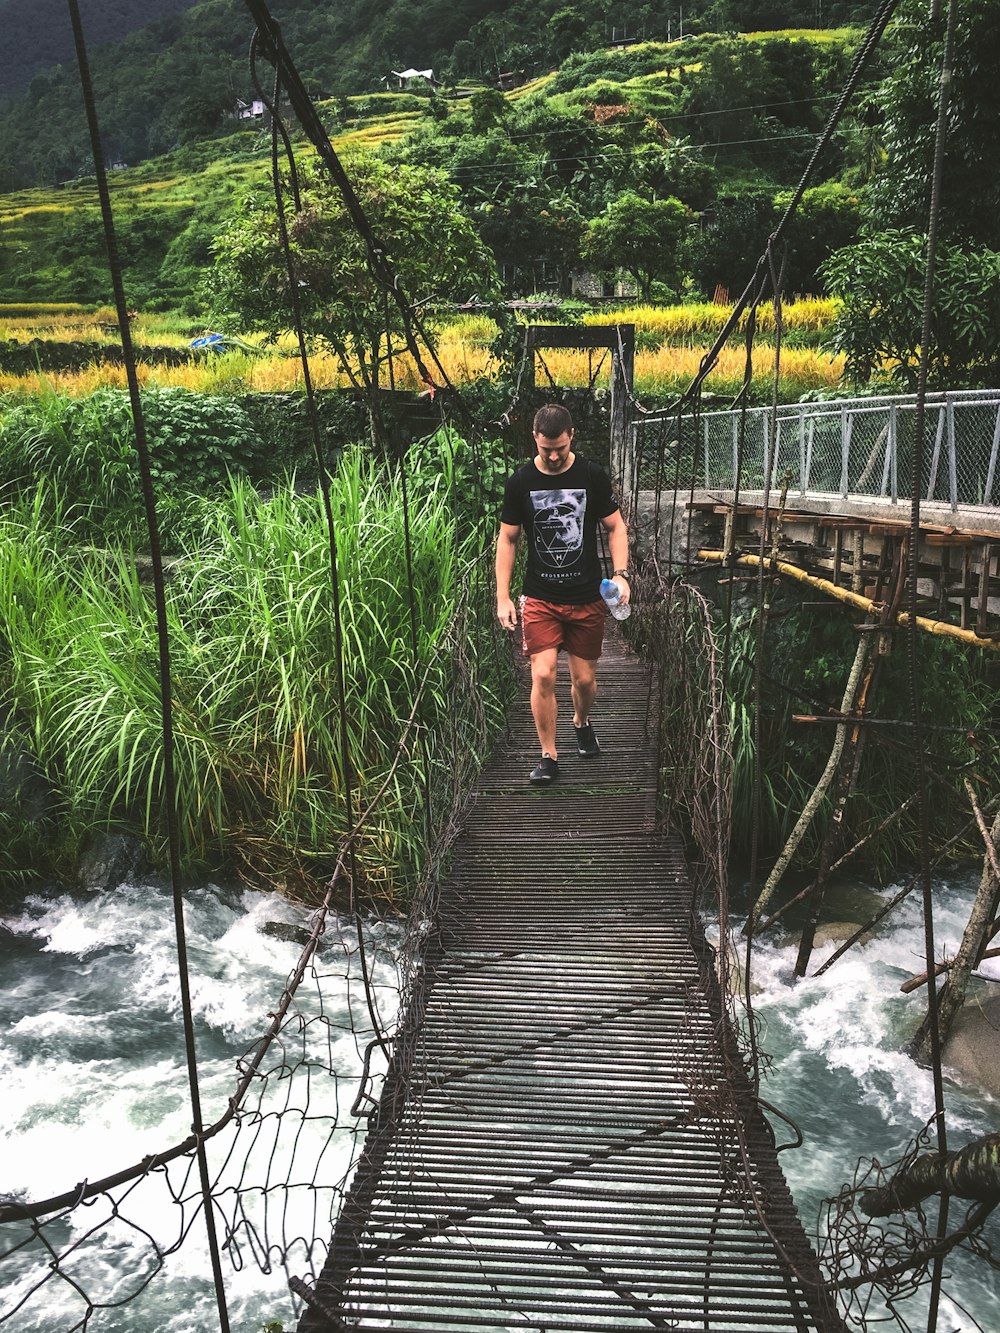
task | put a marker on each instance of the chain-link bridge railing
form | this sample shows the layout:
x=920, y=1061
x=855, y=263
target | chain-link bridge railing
x=857, y=448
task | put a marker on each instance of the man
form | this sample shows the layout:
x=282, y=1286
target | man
x=559, y=498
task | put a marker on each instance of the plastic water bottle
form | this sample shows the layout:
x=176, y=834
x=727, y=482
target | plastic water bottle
x=612, y=595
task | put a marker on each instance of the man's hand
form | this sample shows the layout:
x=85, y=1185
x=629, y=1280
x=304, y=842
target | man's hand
x=506, y=613
x=624, y=591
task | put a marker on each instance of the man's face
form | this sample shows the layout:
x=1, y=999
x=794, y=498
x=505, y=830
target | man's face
x=553, y=452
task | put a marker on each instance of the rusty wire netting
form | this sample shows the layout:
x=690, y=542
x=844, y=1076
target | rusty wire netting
x=677, y=630
x=878, y=1263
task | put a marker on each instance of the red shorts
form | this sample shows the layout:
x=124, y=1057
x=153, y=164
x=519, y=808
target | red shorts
x=577, y=628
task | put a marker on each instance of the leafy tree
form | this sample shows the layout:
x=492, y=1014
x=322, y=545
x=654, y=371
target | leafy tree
x=827, y=219
x=531, y=227
x=880, y=281
x=201, y=111
x=861, y=144
x=489, y=108
x=430, y=241
x=464, y=57
x=641, y=237
x=970, y=196
x=566, y=27
x=732, y=236
x=674, y=167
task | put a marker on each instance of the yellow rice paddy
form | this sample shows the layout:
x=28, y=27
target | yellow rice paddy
x=683, y=334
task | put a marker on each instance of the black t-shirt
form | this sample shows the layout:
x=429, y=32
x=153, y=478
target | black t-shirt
x=560, y=514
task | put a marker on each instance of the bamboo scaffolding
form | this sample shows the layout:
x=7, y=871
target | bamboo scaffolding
x=939, y=627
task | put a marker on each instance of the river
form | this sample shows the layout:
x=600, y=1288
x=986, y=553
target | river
x=92, y=1072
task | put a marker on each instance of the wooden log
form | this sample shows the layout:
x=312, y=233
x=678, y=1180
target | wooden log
x=914, y=983
x=973, y=1172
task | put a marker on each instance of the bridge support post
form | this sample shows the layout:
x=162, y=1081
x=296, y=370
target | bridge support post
x=619, y=340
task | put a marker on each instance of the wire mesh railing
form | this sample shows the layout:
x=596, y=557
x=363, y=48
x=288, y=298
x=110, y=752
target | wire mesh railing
x=857, y=448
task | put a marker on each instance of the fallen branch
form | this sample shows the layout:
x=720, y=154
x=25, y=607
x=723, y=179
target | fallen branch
x=815, y=800
x=914, y=983
x=989, y=839
x=884, y=911
x=974, y=940
x=852, y=851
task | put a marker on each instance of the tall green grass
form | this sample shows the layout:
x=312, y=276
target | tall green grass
x=256, y=711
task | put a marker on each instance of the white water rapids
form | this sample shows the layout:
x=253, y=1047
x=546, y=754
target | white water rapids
x=91, y=1066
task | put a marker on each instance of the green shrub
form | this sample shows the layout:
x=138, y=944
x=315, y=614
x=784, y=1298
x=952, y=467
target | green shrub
x=86, y=447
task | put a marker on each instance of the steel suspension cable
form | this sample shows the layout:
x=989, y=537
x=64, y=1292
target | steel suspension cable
x=351, y=831
x=761, y=632
x=913, y=649
x=743, y=400
x=163, y=643
x=411, y=595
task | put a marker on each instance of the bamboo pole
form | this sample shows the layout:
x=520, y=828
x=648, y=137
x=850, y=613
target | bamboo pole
x=941, y=628
x=818, y=793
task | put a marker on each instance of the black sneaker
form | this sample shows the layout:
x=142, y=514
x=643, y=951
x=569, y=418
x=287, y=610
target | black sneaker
x=544, y=772
x=586, y=742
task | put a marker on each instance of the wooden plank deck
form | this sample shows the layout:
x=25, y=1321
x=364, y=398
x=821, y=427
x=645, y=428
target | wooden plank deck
x=560, y=1143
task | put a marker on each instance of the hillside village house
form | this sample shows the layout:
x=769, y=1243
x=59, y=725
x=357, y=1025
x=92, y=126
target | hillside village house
x=255, y=111
x=249, y=110
x=412, y=79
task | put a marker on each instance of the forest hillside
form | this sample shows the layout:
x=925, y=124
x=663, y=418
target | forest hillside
x=179, y=76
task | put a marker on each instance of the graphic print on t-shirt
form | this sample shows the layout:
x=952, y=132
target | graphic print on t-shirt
x=558, y=526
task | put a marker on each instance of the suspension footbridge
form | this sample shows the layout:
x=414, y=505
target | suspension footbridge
x=567, y=1137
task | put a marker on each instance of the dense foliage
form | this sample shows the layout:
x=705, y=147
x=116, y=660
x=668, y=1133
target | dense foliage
x=38, y=35
x=261, y=781
x=86, y=448
x=622, y=132
x=881, y=283
x=881, y=280
x=810, y=655
x=534, y=172
x=666, y=165
x=179, y=76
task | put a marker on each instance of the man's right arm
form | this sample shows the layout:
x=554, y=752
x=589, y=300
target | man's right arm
x=510, y=534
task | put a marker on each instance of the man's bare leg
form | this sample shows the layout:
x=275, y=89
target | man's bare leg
x=543, y=698
x=583, y=674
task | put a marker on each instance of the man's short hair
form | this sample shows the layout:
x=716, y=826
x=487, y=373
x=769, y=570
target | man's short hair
x=552, y=420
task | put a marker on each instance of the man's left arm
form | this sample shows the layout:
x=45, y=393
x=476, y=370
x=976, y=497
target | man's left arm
x=614, y=525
